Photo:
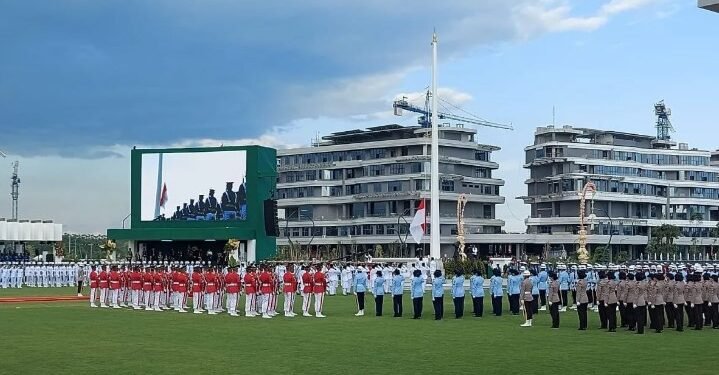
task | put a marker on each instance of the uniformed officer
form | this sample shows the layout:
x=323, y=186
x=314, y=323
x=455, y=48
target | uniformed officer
x=360, y=287
x=640, y=305
x=543, y=284
x=495, y=289
x=564, y=282
x=458, y=293
x=378, y=293
x=476, y=286
x=417, y=293
x=582, y=299
x=525, y=293
x=610, y=300
x=438, y=294
x=554, y=298
x=397, y=292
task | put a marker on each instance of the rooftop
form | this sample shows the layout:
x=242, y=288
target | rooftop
x=712, y=5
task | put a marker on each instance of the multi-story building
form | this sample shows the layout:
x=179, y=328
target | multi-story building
x=709, y=5
x=359, y=189
x=641, y=183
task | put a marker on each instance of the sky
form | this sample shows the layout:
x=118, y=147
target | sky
x=83, y=81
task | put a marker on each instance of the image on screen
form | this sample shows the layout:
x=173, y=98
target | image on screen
x=194, y=186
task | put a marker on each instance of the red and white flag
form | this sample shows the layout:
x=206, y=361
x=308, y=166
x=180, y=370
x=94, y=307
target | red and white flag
x=163, y=196
x=419, y=223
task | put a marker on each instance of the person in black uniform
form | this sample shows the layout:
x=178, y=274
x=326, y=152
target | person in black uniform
x=185, y=213
x=242, y=201
x=200, y=208
x=191, y=211
x=229, y=203
x=177, y=214
x=212, y=207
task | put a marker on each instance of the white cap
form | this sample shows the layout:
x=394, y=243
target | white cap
x=526, y=273
x=543, y=266
x=561, y=266
x=522, y=268
x=698, y=268
x=632, y=268
x=581, y=267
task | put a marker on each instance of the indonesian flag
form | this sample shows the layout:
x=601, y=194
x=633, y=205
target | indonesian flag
x=419, y=223
x=163, y=196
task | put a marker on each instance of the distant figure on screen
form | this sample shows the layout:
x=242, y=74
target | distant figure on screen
x=200, y=208
x=185, y=213
x=192, y=211
x=213, y=209
x=242, y=201
x=178, y=214
x=229, y=203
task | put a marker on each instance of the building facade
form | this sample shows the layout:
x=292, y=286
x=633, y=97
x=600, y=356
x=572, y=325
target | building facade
x=641, y=183
x=357, y=191
x=712, y=5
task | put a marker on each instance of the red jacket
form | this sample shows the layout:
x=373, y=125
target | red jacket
x=232, y=280
x=136, y=281
x=93, y=279
x=211, y=280
x=307, y=283
x=196, y=282
x=147, y=282
x=320, y=282
x=181, y=282
x=103, y=279
x=158, y=287
x=175, y=281
x=290, y=282
x=114, y=280
x=250, y=283
x=265, y=283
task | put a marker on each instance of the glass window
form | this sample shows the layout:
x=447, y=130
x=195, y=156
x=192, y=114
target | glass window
x=447, y=185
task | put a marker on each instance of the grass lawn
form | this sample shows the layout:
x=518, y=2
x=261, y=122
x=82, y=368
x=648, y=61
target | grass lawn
x=69, y=337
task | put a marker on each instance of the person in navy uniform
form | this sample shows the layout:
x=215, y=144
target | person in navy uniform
x=476, y=287
x=185, y=213
x=438, y=294
x=513, y=284
x=397, y=293
x=417, y=293
x=241, y=201
x=200, y=209
x=229, y=203
x=192, y=211
x=213, y=209
x=495, y=289
x=458, y=294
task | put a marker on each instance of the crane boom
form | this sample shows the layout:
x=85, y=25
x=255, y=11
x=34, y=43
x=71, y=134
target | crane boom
x=402, y=104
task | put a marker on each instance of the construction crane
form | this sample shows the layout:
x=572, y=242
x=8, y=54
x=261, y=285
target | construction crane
x=426, y=114
x=15, y=193
x=664, y=126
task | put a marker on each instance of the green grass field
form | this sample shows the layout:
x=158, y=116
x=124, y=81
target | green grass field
x=71, y=338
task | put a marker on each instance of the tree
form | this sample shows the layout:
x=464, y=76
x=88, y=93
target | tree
x=662, y=241
x=600, y=254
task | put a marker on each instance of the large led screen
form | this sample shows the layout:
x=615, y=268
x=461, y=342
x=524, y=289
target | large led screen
x=194, y=186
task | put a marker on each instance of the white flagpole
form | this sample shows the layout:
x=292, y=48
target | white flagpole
x=158, y=196
x=434, y=249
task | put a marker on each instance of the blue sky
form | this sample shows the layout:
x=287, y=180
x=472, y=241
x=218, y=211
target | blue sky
x=81, y=82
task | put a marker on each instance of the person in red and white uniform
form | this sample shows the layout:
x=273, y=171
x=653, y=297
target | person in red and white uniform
x=273, y=295
x=175, y=276
x=94, y=283
x=157, y=288
x=147, y=279
x=114, y=278
x=210, y=290
x=124, y=286
x=232, y=282
x=136, y=287
x=307, y=288
x=319, y=281
x=181, y=289
x=104, y=284
x=250, y=292
x=197, y=286
x=266, y=290
x=289, y=286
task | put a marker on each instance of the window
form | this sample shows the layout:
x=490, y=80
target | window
x=367, y=230
x=394, y=186
x=396, y=169
x=447, y=185
x=376, y=170
x=481, y=155
x=379, y=229
x=377, y=187
x=487, y=211
x=419, y=185
x=331, y=231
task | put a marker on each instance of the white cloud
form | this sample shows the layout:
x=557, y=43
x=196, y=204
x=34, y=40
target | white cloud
x=619, y=6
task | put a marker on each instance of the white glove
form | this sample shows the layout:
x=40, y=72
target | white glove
x=651, y=306
x=521, y=306
x=710, y=304
x=549, y=303
x=604, y=304
x=692, y=305
x=675, y=306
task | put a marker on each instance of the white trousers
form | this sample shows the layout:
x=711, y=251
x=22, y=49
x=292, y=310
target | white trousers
x=250, y=303
x=93, y=294
x=147, y=298
x=179, y=301
x=210, y=301
x=103, y=296
x=306, y=302
x=289, y=302
x=232, y=303
x=135, y=298
x=319, y=300
x=346, y=286
x=197, y=301
x=113, y=297
x=333, y=287
x=156, y=303
x=266, y=303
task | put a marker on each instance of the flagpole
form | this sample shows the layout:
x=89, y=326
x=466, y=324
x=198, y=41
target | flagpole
x=434, y=249
x=158, y=196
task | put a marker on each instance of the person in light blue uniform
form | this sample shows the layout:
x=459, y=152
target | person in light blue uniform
x=592, y=280
x=458, y=294
x=573, y=278
x=513, y=283
x=476, y=288
x=397, y=293
x=378, y=293
x=495, y=289
x=535, y=291
x=543, y=286
x=360, y=286
x=563, y=286
x=417, y=293
x=438, y=295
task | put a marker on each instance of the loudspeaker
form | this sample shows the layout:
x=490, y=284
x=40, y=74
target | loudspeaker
x=272, y=226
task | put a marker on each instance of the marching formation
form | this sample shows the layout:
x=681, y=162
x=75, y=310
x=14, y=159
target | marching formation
x=41, y=275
